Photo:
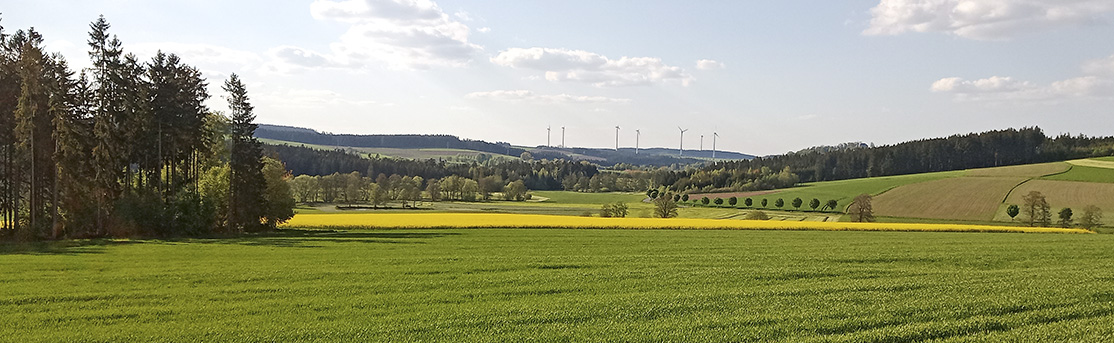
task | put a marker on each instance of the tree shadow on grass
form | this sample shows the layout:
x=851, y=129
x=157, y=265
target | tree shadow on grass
x=66, y=247
x=294, y=238
x=306, y=238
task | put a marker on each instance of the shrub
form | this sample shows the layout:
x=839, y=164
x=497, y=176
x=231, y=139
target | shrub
x=732, y=201
x=756, y=215
x=719, y=201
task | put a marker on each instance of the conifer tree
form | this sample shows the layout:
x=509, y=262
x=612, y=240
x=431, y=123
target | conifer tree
x=33, y=133
x=246, y=186
x=9, y=95
x=109, y=149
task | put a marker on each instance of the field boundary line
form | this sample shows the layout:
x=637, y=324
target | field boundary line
x=1070, y=166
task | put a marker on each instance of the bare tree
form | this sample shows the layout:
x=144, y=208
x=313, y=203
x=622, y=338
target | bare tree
x=1037, y=210
x=861, y=209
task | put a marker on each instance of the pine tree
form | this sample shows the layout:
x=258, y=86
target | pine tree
x=9, y=95
x=34, y=127
x=109, y=149
x=246, y=186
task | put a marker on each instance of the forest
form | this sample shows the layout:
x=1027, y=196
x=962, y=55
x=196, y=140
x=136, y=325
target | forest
x=126, y=148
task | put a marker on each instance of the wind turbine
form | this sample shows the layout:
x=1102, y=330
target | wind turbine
x=616, y=137
x=547, y=135
x=714, y=135
x=701, y=142
x=637, y=136
x=562, y=136
x=681, y=148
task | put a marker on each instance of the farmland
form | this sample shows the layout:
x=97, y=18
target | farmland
x=976, y=196
x=498, y=220
x=564, y=285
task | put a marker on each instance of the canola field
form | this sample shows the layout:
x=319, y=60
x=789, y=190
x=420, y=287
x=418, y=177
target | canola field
x=491, y=220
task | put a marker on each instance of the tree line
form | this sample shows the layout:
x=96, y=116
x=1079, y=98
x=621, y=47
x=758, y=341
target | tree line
x=957, y=152
x=384, y=141
x=126, y=147
x=353, y=189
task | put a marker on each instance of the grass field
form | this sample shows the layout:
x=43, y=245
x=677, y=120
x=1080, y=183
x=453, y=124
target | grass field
x=1075, y=195
x=963, y=198
x=1085, y=174
x=845, y=190
x=565, y=285
x=1027, y=170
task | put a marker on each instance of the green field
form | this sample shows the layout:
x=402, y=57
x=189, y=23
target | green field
x=564, y=285
x=1085, y=174
x=845, y=190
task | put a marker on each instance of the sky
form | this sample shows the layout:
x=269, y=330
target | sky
x=767, y=76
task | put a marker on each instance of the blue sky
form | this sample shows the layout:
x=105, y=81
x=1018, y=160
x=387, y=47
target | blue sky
x=768, y=76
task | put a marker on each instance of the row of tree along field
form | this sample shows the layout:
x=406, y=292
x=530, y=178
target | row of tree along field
x=353, y=188
x=126, y=147
x=1037, y=212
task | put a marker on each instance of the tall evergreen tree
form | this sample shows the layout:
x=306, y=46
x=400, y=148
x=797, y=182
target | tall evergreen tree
x=34, y=133
x=247, y=184
x=109, y=149
x=9, y=95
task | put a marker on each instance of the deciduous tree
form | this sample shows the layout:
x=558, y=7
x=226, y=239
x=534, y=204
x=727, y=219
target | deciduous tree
x=861, y=209
x=1036, y=209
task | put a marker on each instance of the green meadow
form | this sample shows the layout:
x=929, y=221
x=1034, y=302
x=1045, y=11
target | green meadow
x=564, y=285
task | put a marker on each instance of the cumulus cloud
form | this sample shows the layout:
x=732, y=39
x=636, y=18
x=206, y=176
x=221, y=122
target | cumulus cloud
x=588, y=67
x=1008, y=89
x=709, y=65
x=400, y=33
x=307, y=98
x=982, y=20
x=529, y=96
x=197, y=54
x=1102, y=66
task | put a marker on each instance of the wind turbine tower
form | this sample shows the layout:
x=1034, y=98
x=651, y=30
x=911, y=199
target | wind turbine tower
x=681, y=148
x=701, y=142
x=637, y=136
x=714, y=135
x=616, y=137
x=547, y=135
x=562, y=136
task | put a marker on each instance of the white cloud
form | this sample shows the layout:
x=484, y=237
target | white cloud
x=993, y=84
x=399, y=33
x=529, y=96
x=483, y=30
x=982, y=19
x=709, y=65
x=306, y=98
x=1102, y=66
x=197, y=54
x=588, y=67
x=1007, y=89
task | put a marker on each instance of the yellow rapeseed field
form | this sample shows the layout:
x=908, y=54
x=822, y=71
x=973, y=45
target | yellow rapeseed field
x=491, y=220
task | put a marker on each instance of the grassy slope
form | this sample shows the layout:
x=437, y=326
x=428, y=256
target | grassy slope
x=1085, y=174
x=566, y=285
x=964, y=198
x=845, y=190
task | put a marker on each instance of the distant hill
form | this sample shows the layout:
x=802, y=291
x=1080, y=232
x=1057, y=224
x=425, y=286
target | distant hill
x=313, y=137
x=391, y=145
